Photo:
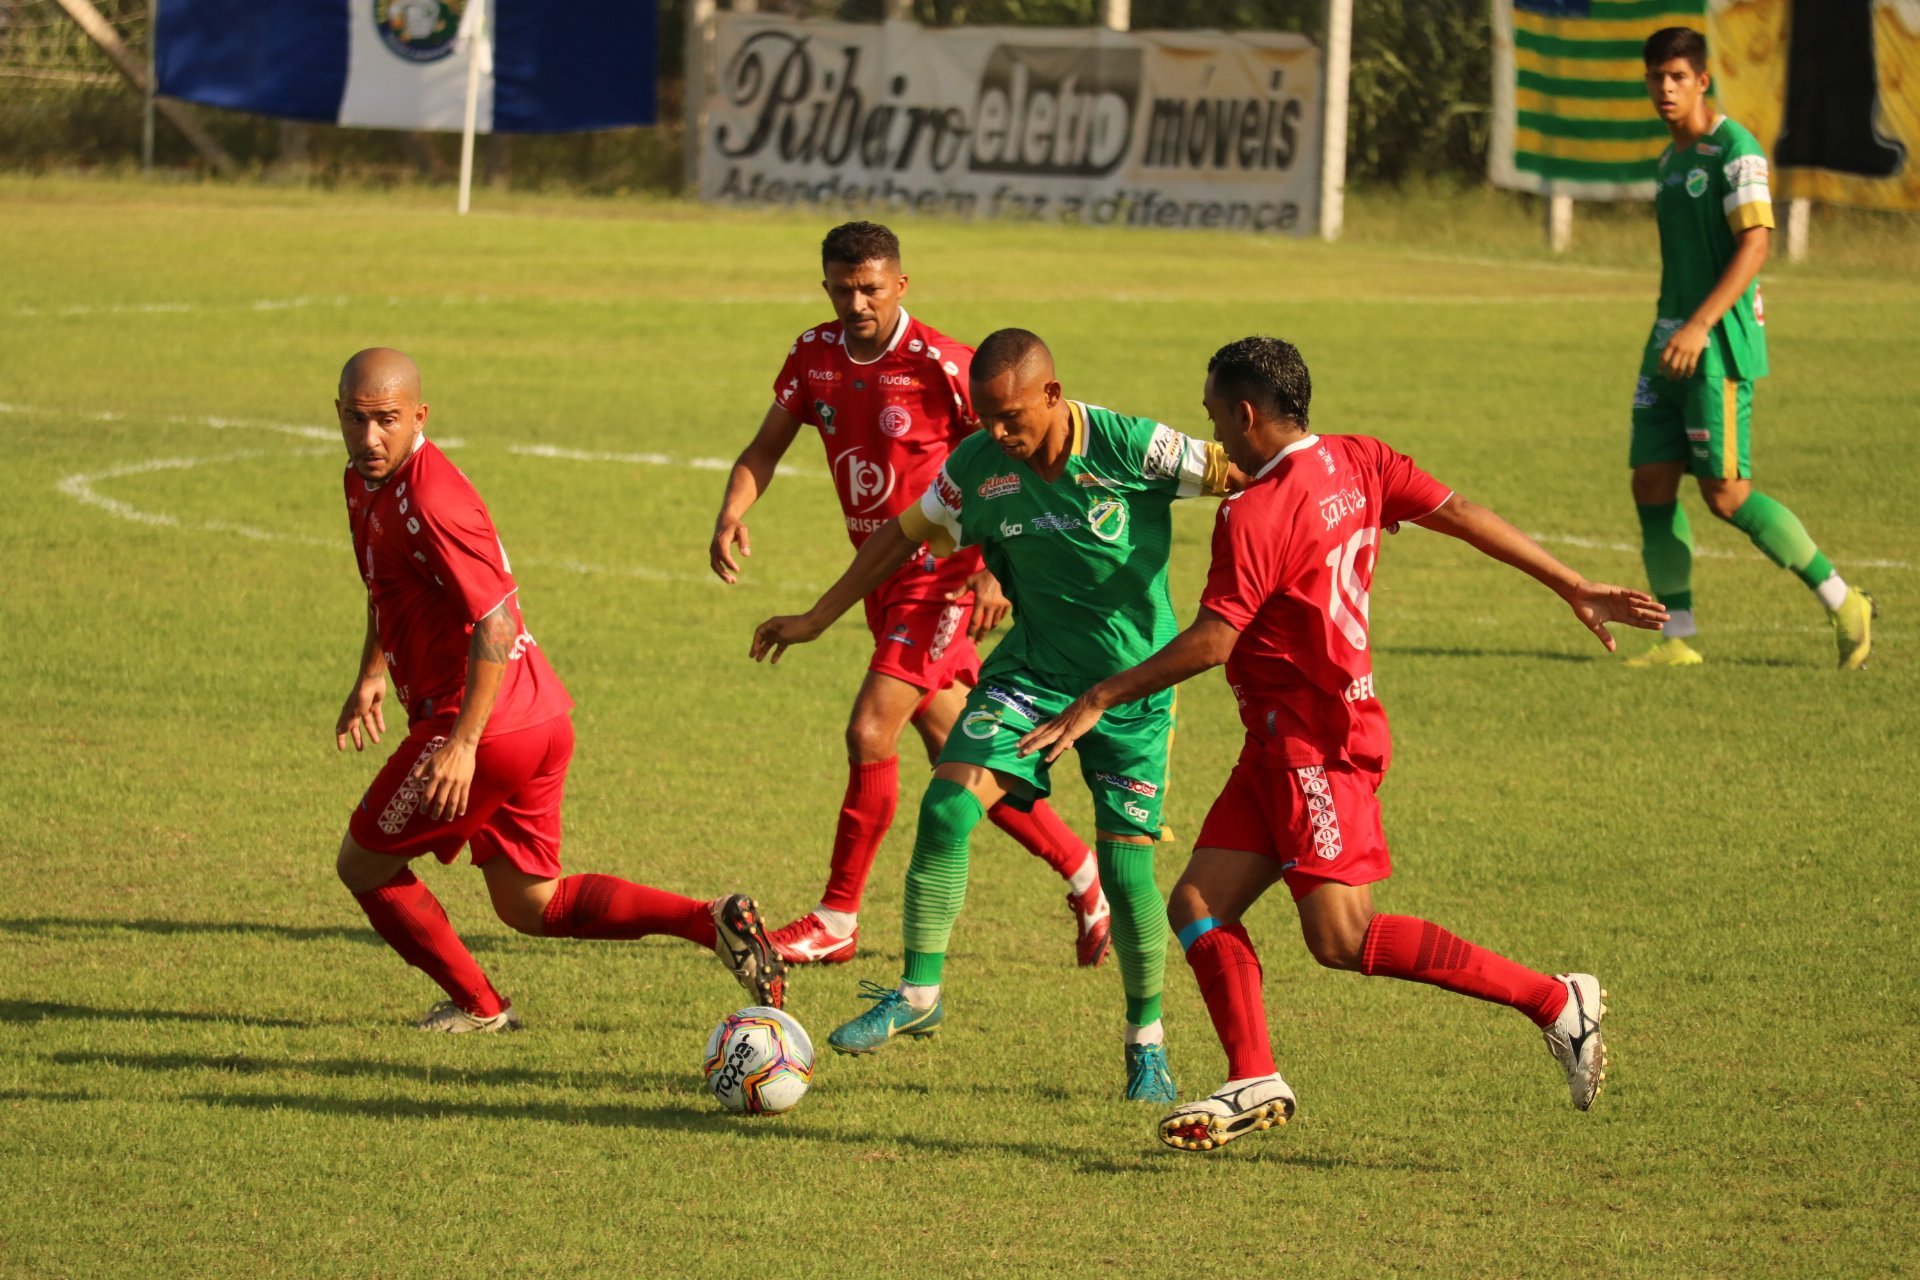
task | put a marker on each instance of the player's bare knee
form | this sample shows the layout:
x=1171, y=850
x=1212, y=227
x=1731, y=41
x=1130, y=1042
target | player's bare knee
x=1339, y=944
x=1654, y=485
x=1185, y=905
x=362, y=871
x=869, y=741
x=1724, y=499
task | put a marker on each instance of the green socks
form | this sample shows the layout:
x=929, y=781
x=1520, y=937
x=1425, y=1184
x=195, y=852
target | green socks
x=1781, y=538
x=1666, y=548
x=937, y=877
x=1139, y=924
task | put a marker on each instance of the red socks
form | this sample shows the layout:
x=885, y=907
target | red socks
x=1421, y=951
x=1224, y=961
x=873, y=792
x=591, y=906
x=1043, y=834
x=410, y=918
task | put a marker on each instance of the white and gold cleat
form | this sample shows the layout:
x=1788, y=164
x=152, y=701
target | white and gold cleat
x=451, y=1019
x=1574, y=1038
x=1232, y=1110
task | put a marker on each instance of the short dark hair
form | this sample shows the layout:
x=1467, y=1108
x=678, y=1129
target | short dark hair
x=1668, y=43
x=1265, y=372
x=1005, y=349
x=852, y=243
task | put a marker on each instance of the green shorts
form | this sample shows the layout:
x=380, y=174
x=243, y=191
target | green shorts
x=1123, y=758
x=1703, y=421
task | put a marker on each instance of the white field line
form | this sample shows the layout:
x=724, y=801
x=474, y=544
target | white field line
x=258, y=305
x=1596, y=544
x=645, y=459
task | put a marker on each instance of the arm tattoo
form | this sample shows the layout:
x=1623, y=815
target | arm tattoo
x=493, y=638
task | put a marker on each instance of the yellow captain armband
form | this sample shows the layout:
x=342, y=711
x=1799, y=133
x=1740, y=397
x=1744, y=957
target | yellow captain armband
x=918, y=528
x=1214, y=485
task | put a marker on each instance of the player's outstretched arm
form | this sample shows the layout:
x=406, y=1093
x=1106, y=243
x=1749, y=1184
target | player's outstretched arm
x=751, y=476
x=1201, y=647
x=884, y=551
x=363, y=711
x=1594, y=603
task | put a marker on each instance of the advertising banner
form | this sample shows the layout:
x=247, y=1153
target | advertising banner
x=1158, y=129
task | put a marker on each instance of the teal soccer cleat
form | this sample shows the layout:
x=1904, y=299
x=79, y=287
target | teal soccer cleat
x=1148, y=1079
x=890, y=1016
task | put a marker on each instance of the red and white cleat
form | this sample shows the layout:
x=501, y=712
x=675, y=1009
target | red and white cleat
x=806, y=941
x=1095, y=920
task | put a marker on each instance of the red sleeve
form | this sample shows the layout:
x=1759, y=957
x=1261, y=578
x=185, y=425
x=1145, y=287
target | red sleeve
x=461, y=549
x=1245, y=566
x=787, y=391
x=956, y=368
x=1406, y=492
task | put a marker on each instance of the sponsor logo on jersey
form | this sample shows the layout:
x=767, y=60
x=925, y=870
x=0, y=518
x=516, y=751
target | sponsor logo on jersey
x=946, y=492
x=1121, y=782
x=1162, y=459
x=999, y=486
x=1008, y=529
x=1643, y=394
x=863, y=524
x=1107, y=520
x=1361, y=689
x=1747, y=171
x=1337, y=507
x=865, y=483
x=1137, y=812
x=1013, y=700
x=1055, y=523
x=899, y=635
x=1706, y=149
x=1088, y=480
x=825, y=412
x=823, y=375
x=1699, y=435
x=897, y=380
x=895, y=421
x=980, y=725
x=1319, y=796
x=1696, y=183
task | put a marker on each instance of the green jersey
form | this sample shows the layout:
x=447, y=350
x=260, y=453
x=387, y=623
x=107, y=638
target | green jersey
x=1084, y=558
x=1707, y=194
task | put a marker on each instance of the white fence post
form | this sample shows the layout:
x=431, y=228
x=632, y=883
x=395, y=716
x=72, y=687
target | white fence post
x=1799, y=214
x=1333, y=141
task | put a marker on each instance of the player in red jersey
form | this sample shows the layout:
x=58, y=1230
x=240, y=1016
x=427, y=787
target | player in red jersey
x=1285, y=608
x=889, y=397
x=489, y=735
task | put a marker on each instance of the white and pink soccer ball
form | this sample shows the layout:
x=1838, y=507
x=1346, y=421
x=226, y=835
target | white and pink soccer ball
x=759, y=1061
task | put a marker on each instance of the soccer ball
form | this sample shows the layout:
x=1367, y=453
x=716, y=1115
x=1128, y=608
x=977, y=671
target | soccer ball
x=759, y=1061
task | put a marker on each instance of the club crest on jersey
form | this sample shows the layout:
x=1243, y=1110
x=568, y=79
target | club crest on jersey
x=418, y=30
x=1697, y=183
x=867, y=484
x=895, y=421
x=1107, y=520
x=981, y=725
x=999, y=486
x=824, y=411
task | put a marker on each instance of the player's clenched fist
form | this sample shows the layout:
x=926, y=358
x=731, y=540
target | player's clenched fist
x=771, y=638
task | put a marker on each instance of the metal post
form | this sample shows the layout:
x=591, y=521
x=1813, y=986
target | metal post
x=1116, y=15
x=697, y=48
x=1799, y=215
x=477, y=61
x=1559, y=223
x=1333, y=138
x=146, y=107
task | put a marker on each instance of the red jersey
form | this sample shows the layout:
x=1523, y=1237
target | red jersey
x=1293, y=558
x=434, y=566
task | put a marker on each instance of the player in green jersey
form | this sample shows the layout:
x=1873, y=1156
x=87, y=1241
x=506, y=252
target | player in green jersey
x=1069, y=503
x=1692, y=406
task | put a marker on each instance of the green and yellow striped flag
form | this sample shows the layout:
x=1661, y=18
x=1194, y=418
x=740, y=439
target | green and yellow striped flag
x=1571, y=114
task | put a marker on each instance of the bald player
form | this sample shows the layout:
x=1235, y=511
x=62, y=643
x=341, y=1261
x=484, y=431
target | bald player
x=489, y=734
x=1069, y=503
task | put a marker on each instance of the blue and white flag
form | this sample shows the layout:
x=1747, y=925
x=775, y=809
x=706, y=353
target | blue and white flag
x=403, y=64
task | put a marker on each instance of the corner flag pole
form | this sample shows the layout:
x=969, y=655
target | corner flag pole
x=479, y=42
x=1333, y=138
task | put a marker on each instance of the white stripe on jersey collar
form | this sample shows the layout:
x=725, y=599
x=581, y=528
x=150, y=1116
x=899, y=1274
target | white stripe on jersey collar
x=899, y=332
x=1295, y=447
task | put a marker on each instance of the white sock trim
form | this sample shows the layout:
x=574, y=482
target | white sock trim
x=921, y=997
x=1152, y=1033
x=840, y=924
x=1832, y=592
x=1679, y=625
x=1082, y=880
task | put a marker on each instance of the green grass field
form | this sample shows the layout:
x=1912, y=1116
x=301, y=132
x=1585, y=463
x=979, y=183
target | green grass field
x=205, y=1068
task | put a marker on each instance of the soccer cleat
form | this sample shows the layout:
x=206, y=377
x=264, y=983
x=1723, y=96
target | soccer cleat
x=1853, y=628
x=743, y=947
x=1574, y=1037
x=1148, y=1079
x=890, y=1016
x=1215, y=1121
x=1671, y=652
x=807, y=941
x=1095, y=920
x=452, y=1019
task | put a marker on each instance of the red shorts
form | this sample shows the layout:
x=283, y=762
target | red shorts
x=1319, y=823
x=513, y=807
x=922, y=640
